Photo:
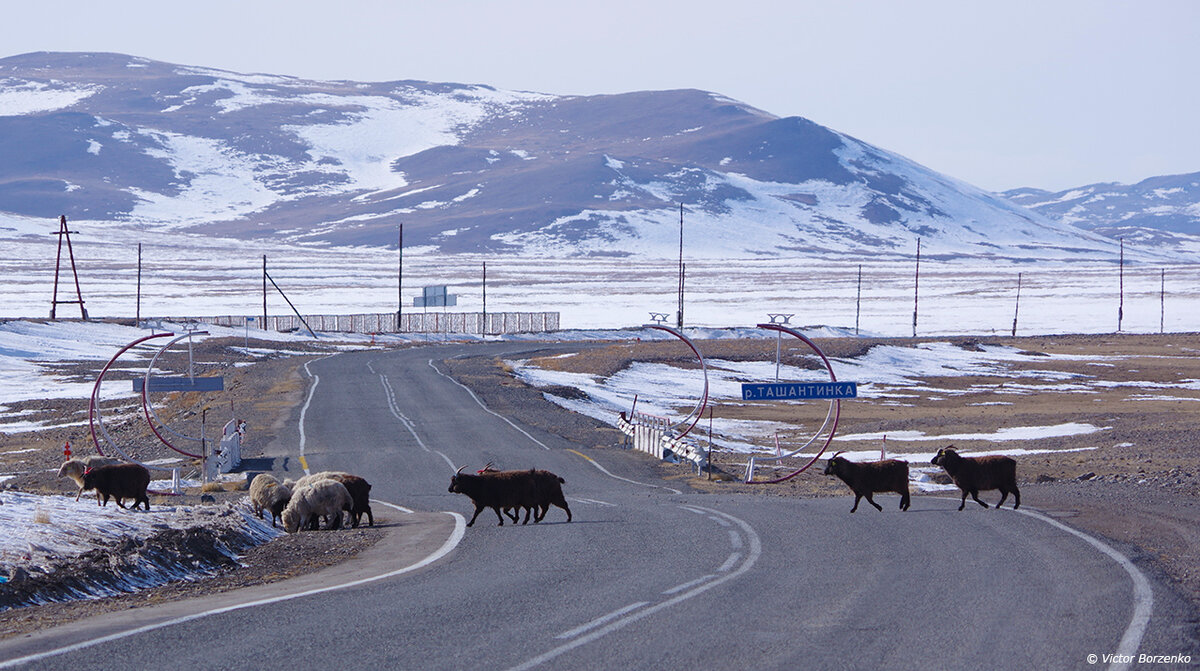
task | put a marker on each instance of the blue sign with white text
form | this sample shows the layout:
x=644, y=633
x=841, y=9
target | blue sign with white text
x=798, y=391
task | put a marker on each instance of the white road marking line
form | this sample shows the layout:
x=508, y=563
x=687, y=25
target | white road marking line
x=390, y=395
x=718, y=520
x=733, y=558
x=407, y=511
x=689, y=584
x=487, y=409
x=460, y=527
x=594, y=501
x=629, y=618
x=603, y=619
x=304, y=411
x=1143, y=596
x=735, y=540
x=617, y=477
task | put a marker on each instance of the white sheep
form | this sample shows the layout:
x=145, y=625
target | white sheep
x=75, y=468
x=268, y=493
x=324, y=497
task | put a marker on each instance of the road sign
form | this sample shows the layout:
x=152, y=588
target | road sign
x=798, y=391
x=437, y=296
x=181, y=384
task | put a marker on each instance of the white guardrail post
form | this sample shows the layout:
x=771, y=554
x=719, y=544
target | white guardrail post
x=652, y=435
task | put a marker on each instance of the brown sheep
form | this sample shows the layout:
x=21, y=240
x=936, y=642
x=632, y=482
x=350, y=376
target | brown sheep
x=120, y=481
x=360, y=494
x=864, y=479
x=976, y=474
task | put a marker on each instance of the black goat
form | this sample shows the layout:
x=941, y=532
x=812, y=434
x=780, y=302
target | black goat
x=532, y=490
x=864, y=479
x=120, y=481
x=976, y=474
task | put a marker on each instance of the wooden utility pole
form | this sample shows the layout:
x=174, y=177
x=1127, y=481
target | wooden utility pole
x=137, y=317
x=679, y=314
x=63, y=233
x=1017, y=309
x=916, y=287
x=1162, y=302
x=400, y=276
x=1121, y=285
x=858, y=300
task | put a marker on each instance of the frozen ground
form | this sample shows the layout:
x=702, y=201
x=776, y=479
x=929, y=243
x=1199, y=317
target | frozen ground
x=35, y=529
x=194, y=276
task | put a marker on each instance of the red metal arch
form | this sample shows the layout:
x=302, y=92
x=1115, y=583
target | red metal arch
x=835, y=411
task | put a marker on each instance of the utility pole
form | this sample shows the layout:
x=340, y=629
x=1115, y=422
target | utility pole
x=400, y=276
x=137, y=317
x=1017, y=310
x=62, y=233
x=916, y=287
x=1162, y=302
x=679, y=314
x=858, y=300
x=264, y=321
x=1121, y=290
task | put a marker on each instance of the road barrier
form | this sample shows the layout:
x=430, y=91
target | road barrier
x=652, y=434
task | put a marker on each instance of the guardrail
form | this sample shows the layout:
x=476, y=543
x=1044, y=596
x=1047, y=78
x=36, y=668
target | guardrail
x=652, y=434
x=229, y=455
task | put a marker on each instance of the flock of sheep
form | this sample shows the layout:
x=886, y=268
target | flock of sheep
x=299, y=504
x=970, y=474
x=304, y=503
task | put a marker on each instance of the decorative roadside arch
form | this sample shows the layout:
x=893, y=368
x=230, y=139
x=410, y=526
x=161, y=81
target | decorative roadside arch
x=835, y=410
x=694, y=415
x=656, y=435
x=148, y=410
x=95, y=416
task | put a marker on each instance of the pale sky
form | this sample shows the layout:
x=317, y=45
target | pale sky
x=1051, y=93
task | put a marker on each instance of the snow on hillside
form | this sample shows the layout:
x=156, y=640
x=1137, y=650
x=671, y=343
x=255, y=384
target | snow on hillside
x=115, y=141
x=1159, y=213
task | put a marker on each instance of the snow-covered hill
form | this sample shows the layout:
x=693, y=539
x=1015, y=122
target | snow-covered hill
x=120, y=141
x=1160, y=212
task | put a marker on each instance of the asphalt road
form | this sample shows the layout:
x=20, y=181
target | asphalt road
x=644, y=577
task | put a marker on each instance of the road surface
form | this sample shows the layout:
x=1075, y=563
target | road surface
x=648, y=575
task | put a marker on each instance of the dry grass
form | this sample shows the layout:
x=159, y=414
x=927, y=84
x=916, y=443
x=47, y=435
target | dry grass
x=1114, y=382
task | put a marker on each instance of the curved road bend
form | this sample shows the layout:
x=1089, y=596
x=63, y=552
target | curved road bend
x=644, y=577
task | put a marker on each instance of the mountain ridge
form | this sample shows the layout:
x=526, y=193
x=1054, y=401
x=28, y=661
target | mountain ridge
x=126, y=141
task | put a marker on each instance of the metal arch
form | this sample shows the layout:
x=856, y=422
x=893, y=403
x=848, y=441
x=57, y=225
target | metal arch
x=834, y=413
x=94, y=416
x=695, y=414
x=148, y=410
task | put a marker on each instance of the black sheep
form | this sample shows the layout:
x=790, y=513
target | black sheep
x=120, y=481
x=976, y=474
x=864, y=479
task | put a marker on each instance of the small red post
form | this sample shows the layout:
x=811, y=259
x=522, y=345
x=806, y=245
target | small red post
x=67, y=451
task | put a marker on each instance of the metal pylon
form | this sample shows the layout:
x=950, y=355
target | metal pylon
x=63, y=233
